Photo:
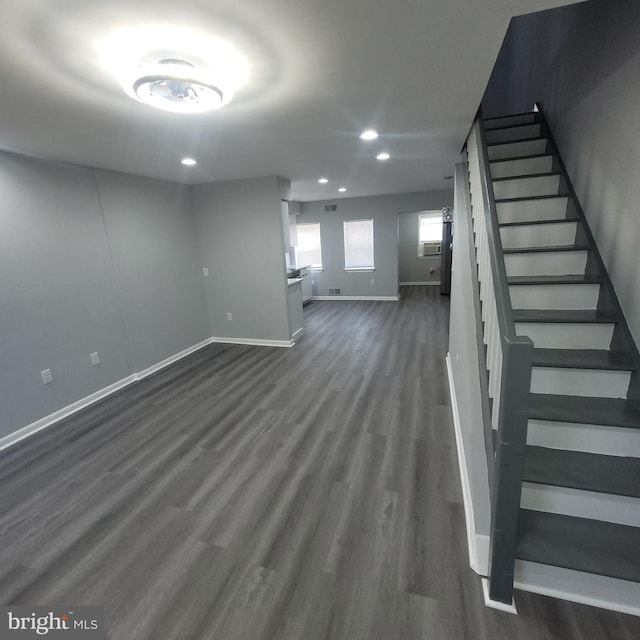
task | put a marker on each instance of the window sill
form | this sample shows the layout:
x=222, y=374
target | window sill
x=360, y=269
x=317, y=269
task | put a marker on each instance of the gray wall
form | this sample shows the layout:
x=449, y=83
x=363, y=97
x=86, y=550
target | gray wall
x=410, y=267
x=152, y=237
x=241, y=240
x=60, y=274
x=464, y=360
x=384, y=210
x=583, y=63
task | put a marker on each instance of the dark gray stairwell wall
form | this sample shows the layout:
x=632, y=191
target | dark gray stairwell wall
x=582, y=62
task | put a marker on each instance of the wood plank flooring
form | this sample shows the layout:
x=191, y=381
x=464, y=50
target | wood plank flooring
x=253, y=493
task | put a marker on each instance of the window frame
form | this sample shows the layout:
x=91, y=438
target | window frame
x=347, y=266
x=314, y=267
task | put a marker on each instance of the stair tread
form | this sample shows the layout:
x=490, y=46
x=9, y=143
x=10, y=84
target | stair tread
x=525, y=176
x=513, y=115
x=527, y=198
x=609, y=412
x=568, y=279
x=529, y=156
x=583, y=359
x=592, y=546
x=495, y=144
x=586, y=471
x=562, y=315
x=530, y=223
x=560, y=247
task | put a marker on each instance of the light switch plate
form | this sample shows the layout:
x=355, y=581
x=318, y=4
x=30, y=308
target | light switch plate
x=205, y=272
x=95, y=358
x=47, y=376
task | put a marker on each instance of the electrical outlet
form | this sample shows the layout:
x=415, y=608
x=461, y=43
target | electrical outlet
x=205, y=272
x=95, y=358
x=47, y=376
x=372, y=280
x=229, y=317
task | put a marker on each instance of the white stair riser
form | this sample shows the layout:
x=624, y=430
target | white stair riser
x=508, y=121
x=526, y=187
x=591, y=383
x=555, y=296
x=515, y=149
x=562, y=335
x=581, y=504
x=561, y=263
x=539, y=235
x=522, y=167
x=532, y=210
x=588, y=438
x=516, y=133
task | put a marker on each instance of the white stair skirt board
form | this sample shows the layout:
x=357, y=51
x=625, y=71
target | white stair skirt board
x=555, y=296
x=494, y=604
x=581, y=504
x=522, y=167
x=477, y=543
x=558, y=234
x=532, y=210
x=53, y=418
x=548, y=263
x=588, y=438
x=549, y=335
x=526, y=187
x=515, y=149
x=517, y=133
x=595, y=383
x=576, y=586
x=507, y=121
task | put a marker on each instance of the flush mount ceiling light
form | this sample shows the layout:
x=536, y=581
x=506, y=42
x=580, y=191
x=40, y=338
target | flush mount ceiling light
x=323, y=180
x=178, y=86
x=172, y=68
x=188, y=162
x=369, y=134
x=383, y=156
x=342, y=189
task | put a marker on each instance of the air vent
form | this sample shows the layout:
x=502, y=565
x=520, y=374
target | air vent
x=334, y=292
x=330, y=207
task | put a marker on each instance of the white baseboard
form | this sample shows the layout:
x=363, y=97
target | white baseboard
x=423, y=282
x=171, y=359
x=255, y=342
x=494, y=604
x=584, y=588
x=297, y=335
x=383, y=298
x=53, y=418
x=478, y=544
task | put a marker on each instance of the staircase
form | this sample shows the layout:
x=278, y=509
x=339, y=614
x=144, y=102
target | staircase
x=580, y=498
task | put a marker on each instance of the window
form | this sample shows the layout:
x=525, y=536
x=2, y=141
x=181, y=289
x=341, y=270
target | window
x=358, y=244
x=308, y=249
x=430, y=230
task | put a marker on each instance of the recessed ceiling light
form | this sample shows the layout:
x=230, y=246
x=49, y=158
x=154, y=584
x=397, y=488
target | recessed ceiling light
x=189, y=162
x=342, y=189
x=323, y=180
x=369, y=134
x=383, y=156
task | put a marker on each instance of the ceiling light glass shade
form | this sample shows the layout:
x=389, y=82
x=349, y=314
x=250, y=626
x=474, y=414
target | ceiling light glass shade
x=176, y=85
x=383, y=156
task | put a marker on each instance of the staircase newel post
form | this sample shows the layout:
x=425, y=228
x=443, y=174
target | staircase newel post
x=509, y=465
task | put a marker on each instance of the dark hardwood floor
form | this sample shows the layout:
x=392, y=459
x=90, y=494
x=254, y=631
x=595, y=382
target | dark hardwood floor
x=252, y=493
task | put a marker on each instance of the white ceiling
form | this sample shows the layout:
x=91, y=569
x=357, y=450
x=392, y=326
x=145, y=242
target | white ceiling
x=320, y=72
